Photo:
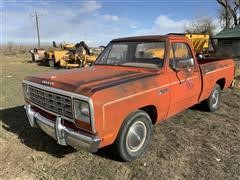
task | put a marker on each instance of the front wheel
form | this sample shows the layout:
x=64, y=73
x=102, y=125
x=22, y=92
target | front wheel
x=213, y=102
x=134, y=136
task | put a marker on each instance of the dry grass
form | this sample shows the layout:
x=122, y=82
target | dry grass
x=237, y=73
x=194, y=144
x=11, y=49
x=13, y=69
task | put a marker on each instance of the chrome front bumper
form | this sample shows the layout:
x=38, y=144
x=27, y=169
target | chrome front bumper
x=63, y=135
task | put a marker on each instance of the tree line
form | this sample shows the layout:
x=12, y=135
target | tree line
x=228, y=15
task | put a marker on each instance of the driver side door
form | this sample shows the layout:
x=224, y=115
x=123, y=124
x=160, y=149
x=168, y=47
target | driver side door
x=184, y=76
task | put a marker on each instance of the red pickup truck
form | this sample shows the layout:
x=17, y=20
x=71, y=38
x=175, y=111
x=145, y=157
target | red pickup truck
x=135, y=83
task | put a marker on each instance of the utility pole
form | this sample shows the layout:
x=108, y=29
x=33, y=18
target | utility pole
x=36, y=17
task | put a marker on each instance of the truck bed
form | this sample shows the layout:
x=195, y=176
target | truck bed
x=213, y=69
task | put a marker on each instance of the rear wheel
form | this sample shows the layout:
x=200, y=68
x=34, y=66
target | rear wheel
x=213, y=102
x=134, y=136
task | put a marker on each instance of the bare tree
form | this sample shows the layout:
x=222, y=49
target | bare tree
x=203, y=25
x=229, y=13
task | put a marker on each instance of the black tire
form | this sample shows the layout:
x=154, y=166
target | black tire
x=45, y=62
x=213, y=101
x=33, y=57
x=130, y=145
x=51, y=63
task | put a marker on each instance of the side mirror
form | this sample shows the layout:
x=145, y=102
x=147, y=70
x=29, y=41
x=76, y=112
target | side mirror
x=102, y=48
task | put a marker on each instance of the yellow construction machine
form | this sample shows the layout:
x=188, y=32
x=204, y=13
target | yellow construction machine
x=200, y=41
x=37, y=54
x=66, y=55
x=71, y=56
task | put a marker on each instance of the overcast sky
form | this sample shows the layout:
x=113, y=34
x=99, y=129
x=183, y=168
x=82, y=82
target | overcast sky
x=97, y=22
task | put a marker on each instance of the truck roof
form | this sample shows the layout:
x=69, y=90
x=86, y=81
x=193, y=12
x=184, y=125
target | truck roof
x=147, y=38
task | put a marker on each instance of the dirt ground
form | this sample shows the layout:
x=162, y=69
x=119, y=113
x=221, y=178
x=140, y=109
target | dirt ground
x=194, y=144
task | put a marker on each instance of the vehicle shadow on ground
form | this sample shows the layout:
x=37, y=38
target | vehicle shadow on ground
x=44, y=64
x=40, y=63
x=15, y=120
x=200, y=107
x=108, y=152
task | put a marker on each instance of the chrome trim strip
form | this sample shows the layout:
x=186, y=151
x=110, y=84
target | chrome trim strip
x=92, y=115
x=30, y=115
x=63, y=135
x=57, y=91
x=60, y=131
x=44, y=120
x=143, y=92
x=67, y=93
x=209, y=72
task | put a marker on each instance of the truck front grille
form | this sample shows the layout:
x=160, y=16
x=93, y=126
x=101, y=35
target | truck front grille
x=52, y=102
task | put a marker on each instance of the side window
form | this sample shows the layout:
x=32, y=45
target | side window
x=182, y=56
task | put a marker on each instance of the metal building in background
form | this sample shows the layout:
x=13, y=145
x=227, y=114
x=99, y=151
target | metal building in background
x=228, y=42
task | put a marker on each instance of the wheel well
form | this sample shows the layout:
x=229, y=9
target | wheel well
x=151, y=111
x=221, y=83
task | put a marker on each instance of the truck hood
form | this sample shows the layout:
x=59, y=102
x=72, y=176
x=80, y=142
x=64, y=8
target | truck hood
x=87, y=81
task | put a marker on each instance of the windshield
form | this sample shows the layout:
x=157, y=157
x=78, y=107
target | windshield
x=137, y=54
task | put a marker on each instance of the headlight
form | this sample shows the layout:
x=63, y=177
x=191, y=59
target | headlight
x=26, y=92
x=82, y=111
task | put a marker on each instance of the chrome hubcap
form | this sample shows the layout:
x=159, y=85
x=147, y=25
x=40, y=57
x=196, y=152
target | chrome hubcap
x=215, y=97
x=136, y=136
